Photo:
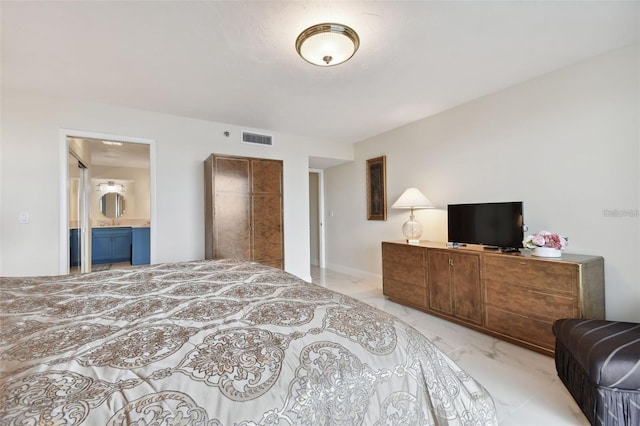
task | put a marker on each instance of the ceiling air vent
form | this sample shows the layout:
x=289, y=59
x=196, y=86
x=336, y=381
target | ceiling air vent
x=256, y=138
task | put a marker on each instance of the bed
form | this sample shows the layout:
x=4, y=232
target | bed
x=217, y=343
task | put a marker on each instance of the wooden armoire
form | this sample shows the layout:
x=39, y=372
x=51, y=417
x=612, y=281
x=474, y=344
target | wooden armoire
x=243, y=209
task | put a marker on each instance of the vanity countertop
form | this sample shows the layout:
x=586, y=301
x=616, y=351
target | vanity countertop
x=121, y=226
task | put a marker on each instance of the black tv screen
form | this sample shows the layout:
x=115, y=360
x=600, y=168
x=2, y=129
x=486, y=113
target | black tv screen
x=491, y=224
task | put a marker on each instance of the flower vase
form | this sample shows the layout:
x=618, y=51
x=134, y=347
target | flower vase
x=546, y=252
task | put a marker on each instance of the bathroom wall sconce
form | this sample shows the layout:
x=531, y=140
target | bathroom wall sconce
x=111, y=186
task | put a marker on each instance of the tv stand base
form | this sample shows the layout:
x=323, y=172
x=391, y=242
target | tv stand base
x=501, y=249
x=510, y=250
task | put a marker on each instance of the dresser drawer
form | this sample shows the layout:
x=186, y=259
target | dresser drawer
x=528, y=302
x=541, y=274
x=403, y=263
x=520, y=327
x=399, y=272
x=407, y=293
x=412, y=256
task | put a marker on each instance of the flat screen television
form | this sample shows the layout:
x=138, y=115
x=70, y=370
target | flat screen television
x=498, y=225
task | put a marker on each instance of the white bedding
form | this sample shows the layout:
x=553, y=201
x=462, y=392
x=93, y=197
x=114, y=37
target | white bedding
x=217, y=343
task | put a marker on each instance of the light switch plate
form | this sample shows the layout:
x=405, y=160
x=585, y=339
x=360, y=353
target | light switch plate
x=23, y=217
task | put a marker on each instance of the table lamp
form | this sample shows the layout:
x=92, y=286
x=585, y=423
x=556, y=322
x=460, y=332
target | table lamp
x=412, y=199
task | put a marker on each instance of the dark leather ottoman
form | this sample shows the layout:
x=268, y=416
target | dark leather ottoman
x=599, y=363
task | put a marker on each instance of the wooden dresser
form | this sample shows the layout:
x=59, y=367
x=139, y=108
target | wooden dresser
x=516, y=297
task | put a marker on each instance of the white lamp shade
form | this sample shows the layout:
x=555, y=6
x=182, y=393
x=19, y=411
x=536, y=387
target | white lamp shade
x=412, y=198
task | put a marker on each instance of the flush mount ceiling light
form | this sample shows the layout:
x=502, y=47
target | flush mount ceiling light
x=327, y=44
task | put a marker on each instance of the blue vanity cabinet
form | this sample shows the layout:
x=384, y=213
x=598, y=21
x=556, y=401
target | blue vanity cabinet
x=140, y=246
x=100, y=246
x=110, y=245
x=122, y=246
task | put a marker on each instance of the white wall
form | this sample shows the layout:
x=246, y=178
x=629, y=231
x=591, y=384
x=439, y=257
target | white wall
x=30, y=170
x=565, y=143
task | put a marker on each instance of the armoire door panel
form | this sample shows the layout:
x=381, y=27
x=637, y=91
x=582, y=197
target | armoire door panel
x=232, y=175
x=267, y=226
x=232, y=219
x=266, y=176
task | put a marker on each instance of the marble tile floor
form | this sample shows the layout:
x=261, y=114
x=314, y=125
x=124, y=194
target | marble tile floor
x=121, y=265
x=102, y=267
x=523, y=383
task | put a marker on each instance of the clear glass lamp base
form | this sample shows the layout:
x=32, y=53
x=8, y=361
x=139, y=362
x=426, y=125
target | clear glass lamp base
x=412, y=230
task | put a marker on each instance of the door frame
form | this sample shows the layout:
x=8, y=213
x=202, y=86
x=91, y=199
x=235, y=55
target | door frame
x=321, y=243
x=63, y=236
x=83, y=213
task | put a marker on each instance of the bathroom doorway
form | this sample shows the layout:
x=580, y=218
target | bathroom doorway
x=108, y=217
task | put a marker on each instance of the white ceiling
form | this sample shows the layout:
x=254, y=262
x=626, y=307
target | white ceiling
x=124, y=155
x=235, y=62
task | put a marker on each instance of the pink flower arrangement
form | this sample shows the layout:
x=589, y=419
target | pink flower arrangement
x=545, y=239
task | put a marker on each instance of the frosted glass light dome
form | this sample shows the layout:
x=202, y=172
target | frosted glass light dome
x=327, y=44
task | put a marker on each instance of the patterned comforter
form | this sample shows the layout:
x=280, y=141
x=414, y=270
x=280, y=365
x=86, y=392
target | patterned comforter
x=217, y=343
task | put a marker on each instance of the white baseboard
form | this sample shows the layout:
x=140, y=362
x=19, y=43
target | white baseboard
x=353, y=271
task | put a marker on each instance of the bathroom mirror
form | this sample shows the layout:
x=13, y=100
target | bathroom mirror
x=112, y=205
